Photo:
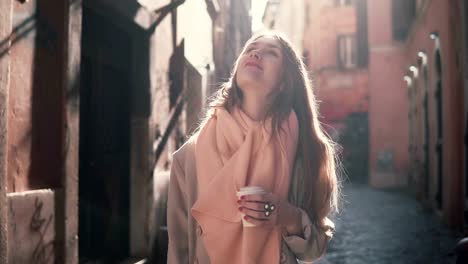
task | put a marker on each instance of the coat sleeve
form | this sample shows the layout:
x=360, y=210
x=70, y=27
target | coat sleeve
x=313, y=242
x=177, y=216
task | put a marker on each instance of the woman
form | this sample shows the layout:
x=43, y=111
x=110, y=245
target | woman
x=260, y=130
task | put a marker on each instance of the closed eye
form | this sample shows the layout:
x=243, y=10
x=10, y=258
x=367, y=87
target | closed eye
x=273, y=52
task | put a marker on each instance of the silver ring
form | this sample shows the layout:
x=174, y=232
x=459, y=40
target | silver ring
x=269, y=208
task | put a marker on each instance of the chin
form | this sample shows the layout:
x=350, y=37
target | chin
x=246, y=80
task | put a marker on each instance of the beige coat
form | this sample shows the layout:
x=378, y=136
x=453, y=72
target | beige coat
x=185, y=236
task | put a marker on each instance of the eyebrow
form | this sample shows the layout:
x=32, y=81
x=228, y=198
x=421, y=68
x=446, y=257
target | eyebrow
x=267, y=44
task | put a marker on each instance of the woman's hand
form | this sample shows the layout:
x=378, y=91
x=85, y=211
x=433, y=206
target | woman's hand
x=281, y=213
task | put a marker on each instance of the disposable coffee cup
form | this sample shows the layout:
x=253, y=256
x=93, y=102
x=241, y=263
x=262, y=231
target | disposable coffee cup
x=249, y=190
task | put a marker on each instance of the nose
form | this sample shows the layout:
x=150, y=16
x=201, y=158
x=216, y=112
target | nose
x=255, y=54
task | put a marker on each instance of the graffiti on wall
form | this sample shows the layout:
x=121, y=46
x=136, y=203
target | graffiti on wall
x=385, y=160
x=39, y=225
x=31, y=231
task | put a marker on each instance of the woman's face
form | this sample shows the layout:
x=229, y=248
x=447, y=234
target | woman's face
x=260, y=67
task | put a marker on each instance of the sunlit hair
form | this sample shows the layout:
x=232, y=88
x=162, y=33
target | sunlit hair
x=316, y=158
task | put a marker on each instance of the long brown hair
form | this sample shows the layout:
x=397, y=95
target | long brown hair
x=316, y=163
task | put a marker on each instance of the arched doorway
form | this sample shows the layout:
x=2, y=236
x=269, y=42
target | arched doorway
x=426, y=167
x=465, y=84
x=439, y=124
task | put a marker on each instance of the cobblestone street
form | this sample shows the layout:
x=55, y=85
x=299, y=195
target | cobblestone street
x=387, y=227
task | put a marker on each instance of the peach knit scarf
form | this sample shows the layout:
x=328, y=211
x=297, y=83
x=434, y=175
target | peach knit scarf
x=233, y=151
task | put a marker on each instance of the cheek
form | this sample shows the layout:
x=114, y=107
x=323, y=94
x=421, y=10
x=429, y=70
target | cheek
x=276, y=75
x=275, y=68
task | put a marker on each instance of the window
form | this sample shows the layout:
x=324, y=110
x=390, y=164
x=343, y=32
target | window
x=403, y=14
x=346, y=51
x=343, y=2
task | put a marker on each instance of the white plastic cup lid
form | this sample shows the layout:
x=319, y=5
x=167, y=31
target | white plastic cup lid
x=248, y=190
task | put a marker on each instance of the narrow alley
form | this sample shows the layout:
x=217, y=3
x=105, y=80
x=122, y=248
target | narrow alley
x=387, y=226
x=96, y=96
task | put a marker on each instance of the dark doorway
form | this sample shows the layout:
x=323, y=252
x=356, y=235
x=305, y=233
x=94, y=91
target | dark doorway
x=426, y=142
x=355, y=142
x=426, y=170
x=104, y=174
x=439, y=116
x=465, y=83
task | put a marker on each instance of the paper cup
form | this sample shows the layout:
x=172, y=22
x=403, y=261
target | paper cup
x=249, y=190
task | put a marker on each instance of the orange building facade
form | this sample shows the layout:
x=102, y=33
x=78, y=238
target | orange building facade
x=391, y=77
x=417, y=109
x=336, y=55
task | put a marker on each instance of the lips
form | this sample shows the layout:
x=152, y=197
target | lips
x=254, y=64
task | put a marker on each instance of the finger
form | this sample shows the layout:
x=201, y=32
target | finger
x=259, y=206
x=254, y=198
x=254, y=206
x=255, y=221
x=258, y=214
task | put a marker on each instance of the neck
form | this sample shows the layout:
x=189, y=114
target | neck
x=255, y=108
